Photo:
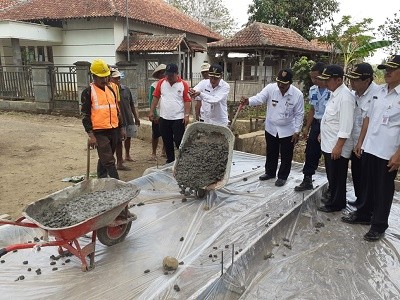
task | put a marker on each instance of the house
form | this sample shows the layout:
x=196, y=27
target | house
x=64, y=32
x=258, y=51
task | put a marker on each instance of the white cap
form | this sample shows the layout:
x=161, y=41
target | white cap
x=205, y=67
x=115, y=73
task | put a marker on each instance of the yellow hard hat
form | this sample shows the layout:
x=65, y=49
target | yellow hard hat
x=99, y=68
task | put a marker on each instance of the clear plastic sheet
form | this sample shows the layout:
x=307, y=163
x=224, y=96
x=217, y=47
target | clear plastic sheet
x=285, y=249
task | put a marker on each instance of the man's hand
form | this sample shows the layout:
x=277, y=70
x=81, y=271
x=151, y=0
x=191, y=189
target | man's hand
x=151, y=116
x=295, y=138
x=394, y=162
x=357, y=150
x=244, y=100
x=137, y=122
x=92, y=141
x=336, y=152
x=193, y=93
x=123, y=134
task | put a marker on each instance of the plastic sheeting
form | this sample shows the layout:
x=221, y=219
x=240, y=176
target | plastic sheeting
x=285, y=249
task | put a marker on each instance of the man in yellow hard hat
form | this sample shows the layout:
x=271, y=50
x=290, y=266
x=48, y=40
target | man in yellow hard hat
x=101, y=118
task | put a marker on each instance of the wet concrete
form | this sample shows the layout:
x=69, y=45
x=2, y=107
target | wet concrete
x=78, y=209
x=202, y=160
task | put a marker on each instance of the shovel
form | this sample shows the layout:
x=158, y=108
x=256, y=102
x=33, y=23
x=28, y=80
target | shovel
x=241, y=106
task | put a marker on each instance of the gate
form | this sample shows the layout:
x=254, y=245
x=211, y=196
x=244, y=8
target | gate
x=16, y=83
x=64, y=89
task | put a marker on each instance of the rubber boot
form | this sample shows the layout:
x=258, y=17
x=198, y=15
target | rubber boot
x=305, y=185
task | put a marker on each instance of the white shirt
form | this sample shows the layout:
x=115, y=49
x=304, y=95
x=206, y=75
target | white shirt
x=337, y=121
x=214, y=102
x=363, y=103
x=383, y=134
x=284, y=114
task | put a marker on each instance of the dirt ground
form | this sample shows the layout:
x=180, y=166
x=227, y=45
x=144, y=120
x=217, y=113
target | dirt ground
x=38, y=151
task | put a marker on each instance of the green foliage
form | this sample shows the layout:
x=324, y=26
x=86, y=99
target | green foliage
x=390, y=30
x=351, y=42
x=210, y=13
x=305, y=17
x=301, y=70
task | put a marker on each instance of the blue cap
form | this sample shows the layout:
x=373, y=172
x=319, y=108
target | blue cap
x=171, y=69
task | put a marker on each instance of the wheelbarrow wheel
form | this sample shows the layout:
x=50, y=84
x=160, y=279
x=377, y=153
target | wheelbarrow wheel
x=110, y=236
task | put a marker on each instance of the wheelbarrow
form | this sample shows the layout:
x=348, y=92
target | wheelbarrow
x=209, y=132
x=109, y=226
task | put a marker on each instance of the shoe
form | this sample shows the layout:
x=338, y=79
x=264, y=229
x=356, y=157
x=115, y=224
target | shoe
x=352, y=218
x=265, y=177
x=305, y=185
x=123, y=168
x=280, y=182
x=328, y=209
x=373, y=236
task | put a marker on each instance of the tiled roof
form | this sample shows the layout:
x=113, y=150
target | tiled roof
x=156, y=12
x=158, y=43
x=261, y=35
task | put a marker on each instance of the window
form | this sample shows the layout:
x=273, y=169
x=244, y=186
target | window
x=50, y=54
x=40, y=52
x=31, y=54
x=151, y=66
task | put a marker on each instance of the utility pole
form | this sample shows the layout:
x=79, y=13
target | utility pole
x=127, y=31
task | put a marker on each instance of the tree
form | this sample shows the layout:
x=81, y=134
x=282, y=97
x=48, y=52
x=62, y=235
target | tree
x=301, y=69
x=305, y=17
x=390, y=30
x=350, y=42
x=210, y=13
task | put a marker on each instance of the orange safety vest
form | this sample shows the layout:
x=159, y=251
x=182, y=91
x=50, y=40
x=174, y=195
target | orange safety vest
x=115, y=87
x=104, y=113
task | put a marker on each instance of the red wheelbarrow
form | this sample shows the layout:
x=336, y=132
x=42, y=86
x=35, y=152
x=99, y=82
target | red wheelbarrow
x=110, y=224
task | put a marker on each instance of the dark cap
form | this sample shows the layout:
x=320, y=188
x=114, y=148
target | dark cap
x=171, y=69
x=332, y=71
x=392, y=63
x=361, y=71
x=285, y=76
x=215, y=71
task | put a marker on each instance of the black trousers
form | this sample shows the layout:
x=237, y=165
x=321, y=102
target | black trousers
x=336, y=171
x=377, y=191
x=106, y=144
x=276, y=145
x=356, y=173
x=171, y=132
x=313, y=149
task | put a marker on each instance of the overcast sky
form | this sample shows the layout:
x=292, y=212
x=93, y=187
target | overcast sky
x=377, y=10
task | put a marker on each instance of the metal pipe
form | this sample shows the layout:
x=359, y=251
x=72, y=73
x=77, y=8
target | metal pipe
x=127, y=31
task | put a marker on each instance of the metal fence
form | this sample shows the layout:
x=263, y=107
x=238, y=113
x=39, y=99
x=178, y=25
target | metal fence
x=16, y=83
x=64, y=83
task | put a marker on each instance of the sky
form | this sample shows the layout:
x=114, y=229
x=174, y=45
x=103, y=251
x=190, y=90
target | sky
x=358, y=9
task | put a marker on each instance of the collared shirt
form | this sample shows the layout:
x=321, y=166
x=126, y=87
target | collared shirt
x=383, y=134
x=337, y=121
x=214, y=102
x=172, y=98
x=126, y=104
x=318, y=98
x=285, y=113
x=363, y=102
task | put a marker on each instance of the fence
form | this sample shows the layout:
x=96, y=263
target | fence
x=64, y=84
x=16, y=83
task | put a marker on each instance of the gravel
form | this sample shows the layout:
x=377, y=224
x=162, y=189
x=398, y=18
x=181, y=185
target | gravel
x=78, y=209
x=202, y=160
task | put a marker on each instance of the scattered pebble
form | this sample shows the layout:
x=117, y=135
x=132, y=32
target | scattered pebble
x=15, y=251
x=285, y=240
x=210, y=256
x=140, y=204
x=29, y=269
x=54, y=269
x=2, y=261
x=328, y=219
x=67, y=260
x=52, y=263
x=29, y=242
x=245, y=179
x=176, y=288
x=319, y=225
x=147, y=271
x=166, y=273
x=280, y=215
x=236, y=252
x=25, y=262
x=226, y=246
x=22, y=277
x=268, y=255
x=38, y=271
x=215, y=255
x=267, y=215
x=215, y=248
x=240, y=250
x=36, y=239
x=181, y=263
x=182, y=238
x=184, y=200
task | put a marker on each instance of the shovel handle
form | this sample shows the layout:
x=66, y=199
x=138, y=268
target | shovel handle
x=87, y=162
x=241, y=105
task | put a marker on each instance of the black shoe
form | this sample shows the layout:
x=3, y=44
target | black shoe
x=373, y=236
x=280, y=182
x=305, y=185
x=328, y=209
x=352, y=218
x=265, y=177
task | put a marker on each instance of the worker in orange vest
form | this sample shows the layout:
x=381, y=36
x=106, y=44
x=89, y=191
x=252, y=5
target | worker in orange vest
x=101, y=118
